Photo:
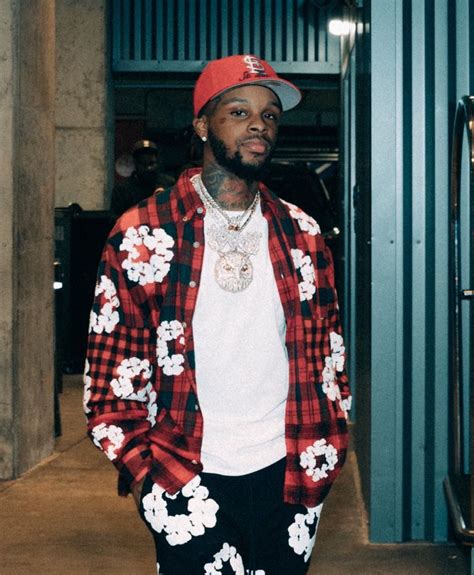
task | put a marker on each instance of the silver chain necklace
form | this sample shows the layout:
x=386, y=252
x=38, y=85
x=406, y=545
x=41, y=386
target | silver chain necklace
x=233, y=270
x=234, y=223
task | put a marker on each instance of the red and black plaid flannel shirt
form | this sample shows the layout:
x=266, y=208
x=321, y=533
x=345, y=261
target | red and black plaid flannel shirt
x=140, y=388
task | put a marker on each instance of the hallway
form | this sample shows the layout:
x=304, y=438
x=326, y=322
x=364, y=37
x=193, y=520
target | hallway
x=64, y=518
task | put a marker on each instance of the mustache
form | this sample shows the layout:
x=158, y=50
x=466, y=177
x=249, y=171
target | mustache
x=270, y=144
x=261, y=138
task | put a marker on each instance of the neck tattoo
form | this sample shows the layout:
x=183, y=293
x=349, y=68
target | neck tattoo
x=233, y=271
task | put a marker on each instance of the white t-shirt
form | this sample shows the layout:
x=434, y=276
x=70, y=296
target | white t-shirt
x=241, y=363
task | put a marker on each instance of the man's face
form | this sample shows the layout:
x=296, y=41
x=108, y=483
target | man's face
x=242, y=130
x=146, y=166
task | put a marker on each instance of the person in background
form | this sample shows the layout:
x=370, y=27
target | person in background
x=215, y=377
x=144, y=180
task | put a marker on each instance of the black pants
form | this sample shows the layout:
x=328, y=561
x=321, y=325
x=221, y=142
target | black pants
x=218, y=525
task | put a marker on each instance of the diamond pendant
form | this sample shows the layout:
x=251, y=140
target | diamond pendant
x=233, y=271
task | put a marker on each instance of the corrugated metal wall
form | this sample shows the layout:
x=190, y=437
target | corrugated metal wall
x=421, y=63
x=180, y=35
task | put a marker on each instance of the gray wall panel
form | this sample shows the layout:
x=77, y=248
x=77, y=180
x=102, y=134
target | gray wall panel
x=179, y=36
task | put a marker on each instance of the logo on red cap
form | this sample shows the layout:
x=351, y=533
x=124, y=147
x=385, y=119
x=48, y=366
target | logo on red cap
x=254, y=68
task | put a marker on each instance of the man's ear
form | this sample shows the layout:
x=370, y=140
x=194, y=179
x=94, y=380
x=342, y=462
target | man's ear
x=200, y=127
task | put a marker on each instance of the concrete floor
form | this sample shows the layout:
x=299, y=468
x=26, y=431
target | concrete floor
x=64, y=517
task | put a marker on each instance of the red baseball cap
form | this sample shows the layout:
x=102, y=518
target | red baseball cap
x=235, y=71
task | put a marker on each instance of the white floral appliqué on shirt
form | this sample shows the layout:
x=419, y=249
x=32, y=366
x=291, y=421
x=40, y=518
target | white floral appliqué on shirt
x=330, y=386
x=305, y=266
x=305, y=222
x=87, y=388
x=169, y=331
x=346, y=405
x=311, y=458
x=228, y=554
x=114, y=436
x=127, y=371
x=333, y=364
x=299, y=539
x=151, y=406
x=154, y=265
x=337, y=351
x=122, y=386
x=108, y=317
x=181, y=528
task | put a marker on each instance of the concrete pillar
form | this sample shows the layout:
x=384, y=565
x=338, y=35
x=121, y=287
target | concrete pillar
x=83, y=129
x=26, y=233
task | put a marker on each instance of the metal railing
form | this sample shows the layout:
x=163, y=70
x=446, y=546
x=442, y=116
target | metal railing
x=459, y=485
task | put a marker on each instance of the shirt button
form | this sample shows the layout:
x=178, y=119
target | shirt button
x=184, y=324
x=194, y=462
x=192, y=284
x=185, y=218
x=196, y=407
x=196, y=244
x=200, y=210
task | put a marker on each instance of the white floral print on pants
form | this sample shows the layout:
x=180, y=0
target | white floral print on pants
x=217, y=525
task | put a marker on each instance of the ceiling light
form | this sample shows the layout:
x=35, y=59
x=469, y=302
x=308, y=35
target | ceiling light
x=341, y=27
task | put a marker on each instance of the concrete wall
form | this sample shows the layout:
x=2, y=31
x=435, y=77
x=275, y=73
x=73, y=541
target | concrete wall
x=6, y=238
x=83, y=127
x=26, y=233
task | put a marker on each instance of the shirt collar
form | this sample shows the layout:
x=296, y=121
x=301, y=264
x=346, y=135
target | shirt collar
x=187, y=200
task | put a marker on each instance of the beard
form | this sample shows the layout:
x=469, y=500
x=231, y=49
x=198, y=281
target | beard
x=235, y=163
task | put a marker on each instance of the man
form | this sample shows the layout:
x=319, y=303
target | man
x=215, y=378
x=145, y=179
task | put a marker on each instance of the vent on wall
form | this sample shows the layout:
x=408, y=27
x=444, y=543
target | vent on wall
x=181, y=35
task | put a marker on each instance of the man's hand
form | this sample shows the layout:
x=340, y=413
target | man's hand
x=137, y=492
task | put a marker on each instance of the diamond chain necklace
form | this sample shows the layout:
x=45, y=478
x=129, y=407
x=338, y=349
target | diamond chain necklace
x=233, y=270
x=234, y=223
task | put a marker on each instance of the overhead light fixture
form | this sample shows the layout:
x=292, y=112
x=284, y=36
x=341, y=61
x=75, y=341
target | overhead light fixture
x=342, y=16
x=338, y=27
